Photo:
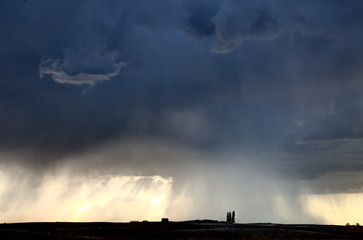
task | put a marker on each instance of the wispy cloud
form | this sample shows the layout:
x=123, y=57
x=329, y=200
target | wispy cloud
x=83, y=66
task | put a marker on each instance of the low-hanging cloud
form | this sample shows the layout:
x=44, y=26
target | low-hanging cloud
x=84, y=66
x=121, y=182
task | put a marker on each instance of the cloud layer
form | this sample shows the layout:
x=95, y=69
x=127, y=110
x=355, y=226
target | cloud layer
x=212, y=91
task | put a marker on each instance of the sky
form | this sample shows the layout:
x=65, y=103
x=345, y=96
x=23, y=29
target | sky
x=137, y=110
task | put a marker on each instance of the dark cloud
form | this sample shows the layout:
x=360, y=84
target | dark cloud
x=173, y=79
x=284, y=98
x=200, y=20
x=238, y=21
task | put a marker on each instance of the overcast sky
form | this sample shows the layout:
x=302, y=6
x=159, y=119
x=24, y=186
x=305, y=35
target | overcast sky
x=202, y=106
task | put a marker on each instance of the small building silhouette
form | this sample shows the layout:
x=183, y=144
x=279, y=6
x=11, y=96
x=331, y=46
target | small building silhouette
x=165, y=220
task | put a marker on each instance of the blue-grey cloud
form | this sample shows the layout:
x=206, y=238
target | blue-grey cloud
x=84, y=66
x=199, y=22
x=238, y=21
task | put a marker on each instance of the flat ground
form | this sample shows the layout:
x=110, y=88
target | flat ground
x=205, y=229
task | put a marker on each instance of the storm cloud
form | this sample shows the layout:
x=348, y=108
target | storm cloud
x=259, y=102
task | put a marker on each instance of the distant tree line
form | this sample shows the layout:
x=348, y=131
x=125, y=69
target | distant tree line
x=231, y=217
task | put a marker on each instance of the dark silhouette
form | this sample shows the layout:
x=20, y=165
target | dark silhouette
x=231, y=217
x=197, y=229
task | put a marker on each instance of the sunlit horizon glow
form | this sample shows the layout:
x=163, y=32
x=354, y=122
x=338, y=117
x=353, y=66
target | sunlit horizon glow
x=338, y=209
x=101, y=198
x=64, y=197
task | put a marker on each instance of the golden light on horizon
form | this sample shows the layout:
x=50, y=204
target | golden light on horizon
x=339, y=208
x=67, y=198
x=62, y=196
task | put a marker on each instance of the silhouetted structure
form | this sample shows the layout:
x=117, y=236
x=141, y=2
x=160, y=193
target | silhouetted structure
x=165, y=220
x=231, y=217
